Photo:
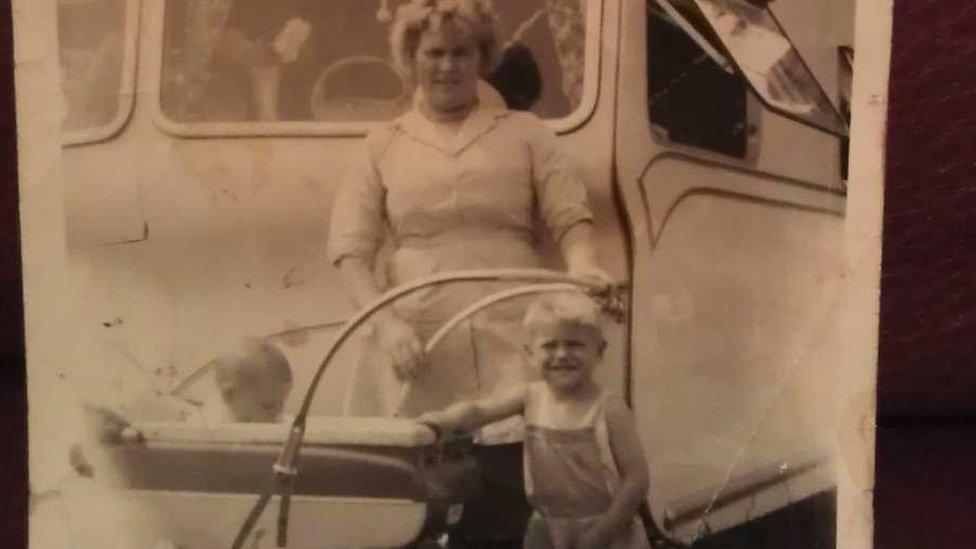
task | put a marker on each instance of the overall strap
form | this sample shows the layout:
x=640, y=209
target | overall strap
x=602, y=434
x=536, y=404
x=595, y=413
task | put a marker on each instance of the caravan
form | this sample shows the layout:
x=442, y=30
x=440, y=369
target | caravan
x=710, y=133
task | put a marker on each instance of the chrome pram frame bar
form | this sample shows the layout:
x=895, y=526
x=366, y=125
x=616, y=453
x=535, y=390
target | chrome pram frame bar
x=612, y=298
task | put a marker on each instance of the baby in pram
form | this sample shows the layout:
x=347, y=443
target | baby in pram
x=585, y=471
x=252, y=381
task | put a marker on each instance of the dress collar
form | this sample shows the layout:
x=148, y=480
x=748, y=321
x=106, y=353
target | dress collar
x=491, y=107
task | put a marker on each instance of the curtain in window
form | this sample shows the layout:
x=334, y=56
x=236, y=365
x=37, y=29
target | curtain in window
x=566, y=21
x=191, y=73
x=204, y=25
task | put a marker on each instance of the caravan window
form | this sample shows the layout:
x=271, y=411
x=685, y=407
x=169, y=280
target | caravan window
x=216, y=78
x=96, y=47
x=692, y=98
x=846, y=54
x=704, y=54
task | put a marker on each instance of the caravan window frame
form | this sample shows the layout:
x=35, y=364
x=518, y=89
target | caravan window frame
x=574, y=120
x=127, y=87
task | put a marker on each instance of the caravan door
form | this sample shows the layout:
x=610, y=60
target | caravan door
x=728, y=169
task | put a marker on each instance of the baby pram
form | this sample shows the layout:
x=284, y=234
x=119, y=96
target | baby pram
x=363, y=482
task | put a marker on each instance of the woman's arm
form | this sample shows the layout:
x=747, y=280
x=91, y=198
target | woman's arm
x=394, y=335
x=578, y=246
x=473, y=414
x=563, y=202
x=356, y=275
x=356, y=232
x=632, y=490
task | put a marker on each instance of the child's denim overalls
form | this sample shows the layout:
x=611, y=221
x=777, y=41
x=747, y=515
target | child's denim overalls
x=570, y=476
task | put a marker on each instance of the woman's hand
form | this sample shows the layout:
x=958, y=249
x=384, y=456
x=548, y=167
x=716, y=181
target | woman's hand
x=591, y=273
x=393, y=335
x=400, y=341
x=578, y=245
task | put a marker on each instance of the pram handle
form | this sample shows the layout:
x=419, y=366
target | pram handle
x=483, y=275
x=473, y=309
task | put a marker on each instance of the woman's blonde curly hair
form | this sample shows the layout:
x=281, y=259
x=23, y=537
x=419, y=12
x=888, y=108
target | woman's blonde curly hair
x=416, y=16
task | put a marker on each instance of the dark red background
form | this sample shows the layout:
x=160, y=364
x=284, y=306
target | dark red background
x=926, y=476
x=928, y=302
x=13, y=406
x=926, y=458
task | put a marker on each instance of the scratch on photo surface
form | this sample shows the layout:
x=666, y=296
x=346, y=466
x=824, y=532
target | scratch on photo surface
x=144, y=372
x=295, y=336
x=35, y=499
x=291, y=279
x=115, y=322
x=824, y=323
x=138, y=240
x=79, y=462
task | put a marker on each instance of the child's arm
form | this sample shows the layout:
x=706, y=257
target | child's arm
x=632, y=490
x=475, y=413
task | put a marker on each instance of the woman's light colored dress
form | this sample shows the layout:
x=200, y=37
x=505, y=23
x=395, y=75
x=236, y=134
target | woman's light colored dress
x=471, y=200
x=570, y=476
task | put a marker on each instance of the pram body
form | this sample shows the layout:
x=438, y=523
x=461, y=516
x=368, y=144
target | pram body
x=363, y=482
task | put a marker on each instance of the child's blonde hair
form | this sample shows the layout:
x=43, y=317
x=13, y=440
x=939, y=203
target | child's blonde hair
x=569, y=307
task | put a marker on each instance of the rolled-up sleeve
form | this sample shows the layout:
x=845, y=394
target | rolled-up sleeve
x=560, y=191
x=358, y=215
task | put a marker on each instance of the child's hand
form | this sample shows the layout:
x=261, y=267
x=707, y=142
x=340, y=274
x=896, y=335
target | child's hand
x=431, y=420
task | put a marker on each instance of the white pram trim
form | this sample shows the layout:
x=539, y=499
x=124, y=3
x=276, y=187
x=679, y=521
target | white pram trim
x=320, y=431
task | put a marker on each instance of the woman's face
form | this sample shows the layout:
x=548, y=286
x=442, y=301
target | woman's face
x=448, y=67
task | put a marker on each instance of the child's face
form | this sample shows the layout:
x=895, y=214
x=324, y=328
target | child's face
x=255, y=397
x=566, y=354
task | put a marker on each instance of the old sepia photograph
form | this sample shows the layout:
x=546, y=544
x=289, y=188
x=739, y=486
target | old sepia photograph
x=566, y=274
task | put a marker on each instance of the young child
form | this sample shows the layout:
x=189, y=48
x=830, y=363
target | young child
x=252, y=384
x=585, y=472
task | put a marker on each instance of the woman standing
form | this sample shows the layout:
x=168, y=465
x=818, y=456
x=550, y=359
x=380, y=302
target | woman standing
x=460, y=183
